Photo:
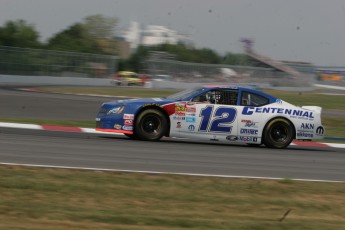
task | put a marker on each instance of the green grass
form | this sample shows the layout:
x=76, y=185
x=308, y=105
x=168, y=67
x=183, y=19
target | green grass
x=335, y=126
x=41, y=198
x=334, y=102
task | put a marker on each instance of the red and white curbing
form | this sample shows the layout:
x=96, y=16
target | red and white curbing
x=93, y=131
x=53, y=128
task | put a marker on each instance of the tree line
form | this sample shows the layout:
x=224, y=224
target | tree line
x=96, y=34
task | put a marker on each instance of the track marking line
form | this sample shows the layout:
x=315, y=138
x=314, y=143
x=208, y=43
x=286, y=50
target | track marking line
x=167, y=173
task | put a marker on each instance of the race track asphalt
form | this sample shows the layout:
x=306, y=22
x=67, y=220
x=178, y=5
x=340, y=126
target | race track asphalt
x=21, y=104
x=169, y=155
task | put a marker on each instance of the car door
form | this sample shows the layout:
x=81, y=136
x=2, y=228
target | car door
x=211, y=115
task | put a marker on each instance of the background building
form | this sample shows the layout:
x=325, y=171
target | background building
x=152, y=35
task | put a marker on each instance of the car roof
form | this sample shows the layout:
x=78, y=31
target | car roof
x=241, y=88
x=229, y=87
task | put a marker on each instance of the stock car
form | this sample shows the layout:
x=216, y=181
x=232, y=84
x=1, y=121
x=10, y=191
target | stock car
x=224, y=114
x=127, y=78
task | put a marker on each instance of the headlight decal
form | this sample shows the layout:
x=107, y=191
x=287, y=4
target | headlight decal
x=116, y=110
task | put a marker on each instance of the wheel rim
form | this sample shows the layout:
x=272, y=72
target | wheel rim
x=151, y=124
x=280, y=133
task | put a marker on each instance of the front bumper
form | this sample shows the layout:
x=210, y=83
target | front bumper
x=113, y=125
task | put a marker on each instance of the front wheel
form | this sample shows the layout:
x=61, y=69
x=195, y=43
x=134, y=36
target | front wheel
x=278, y=133
x=151, y=125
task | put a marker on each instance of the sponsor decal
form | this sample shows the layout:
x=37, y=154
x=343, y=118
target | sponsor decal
x=157, y=99
x=320, y=130
x=278, y=101
x=179, y=118
x=292, y=112
x=305, y=131
x=191, y=110
x=117, y=126
x=128, y=116
x=178, y=125
x=128, y=122
x=191, y=119
x=180, y=108
x=127, y=127
x=249, y=131
x=248, y=139
x=232, y=138
x=180, y=113
x=190, y=103
x=191, y=128
x=307, y=126
x=305, y=134
x=251, y=125
x=191, y=114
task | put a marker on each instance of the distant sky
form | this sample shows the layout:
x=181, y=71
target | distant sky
x=294, y=30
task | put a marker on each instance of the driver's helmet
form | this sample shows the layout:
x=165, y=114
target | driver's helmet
x=210, y=96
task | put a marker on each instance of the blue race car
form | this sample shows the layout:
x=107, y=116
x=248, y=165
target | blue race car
x=224, y=114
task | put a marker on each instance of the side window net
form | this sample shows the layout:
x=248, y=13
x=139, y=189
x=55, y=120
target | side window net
x=222, y=97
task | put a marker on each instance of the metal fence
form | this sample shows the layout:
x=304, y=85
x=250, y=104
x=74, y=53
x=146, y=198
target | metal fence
x=157, y=65
x=39, y=62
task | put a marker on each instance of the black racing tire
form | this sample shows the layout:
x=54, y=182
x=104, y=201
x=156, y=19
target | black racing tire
x=278, y=133
x=150, y=125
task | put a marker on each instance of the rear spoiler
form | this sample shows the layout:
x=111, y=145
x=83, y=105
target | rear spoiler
x=316, y=109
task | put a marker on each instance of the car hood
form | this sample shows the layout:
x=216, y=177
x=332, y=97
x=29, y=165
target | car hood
x=143, y=101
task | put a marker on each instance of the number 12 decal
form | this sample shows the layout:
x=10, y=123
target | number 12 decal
x=217, y=121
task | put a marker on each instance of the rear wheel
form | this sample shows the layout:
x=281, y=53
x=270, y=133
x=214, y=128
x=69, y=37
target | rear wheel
x=151, y=125
x=278, y=133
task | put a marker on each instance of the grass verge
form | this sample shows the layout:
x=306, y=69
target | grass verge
x=311, y=98
x=113, y=91
x=43, y=198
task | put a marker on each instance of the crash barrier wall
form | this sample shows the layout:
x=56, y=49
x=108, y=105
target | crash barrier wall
x=38, y=62
x=208, y=73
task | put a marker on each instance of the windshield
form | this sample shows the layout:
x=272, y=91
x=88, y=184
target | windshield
x=186, y=93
